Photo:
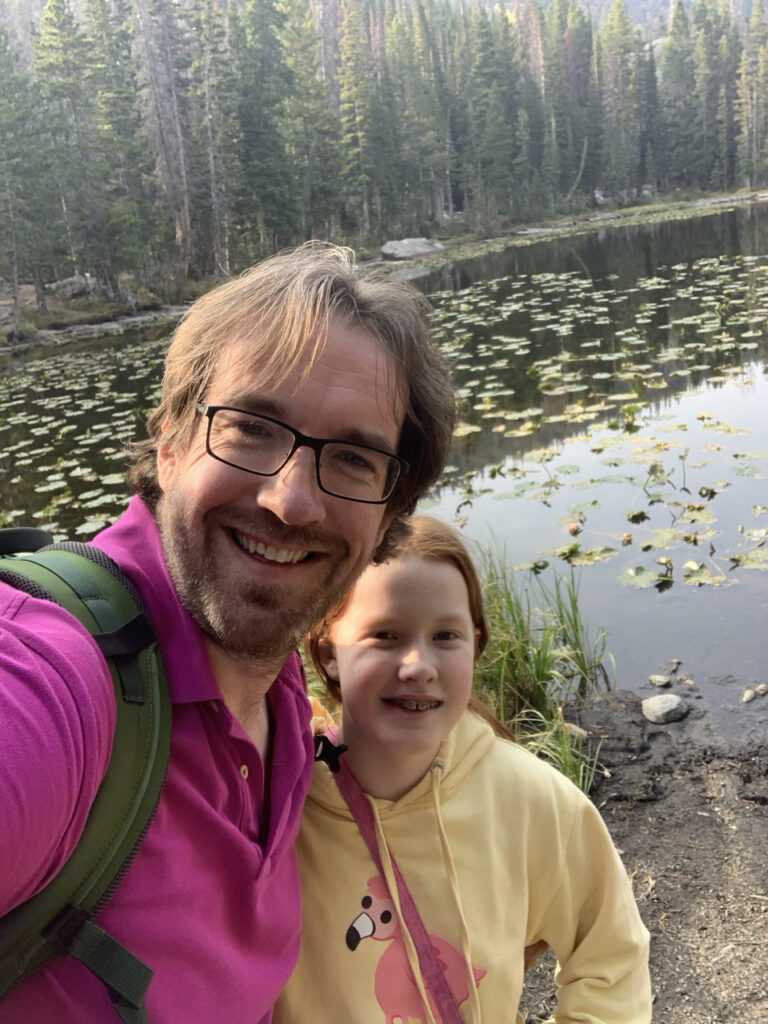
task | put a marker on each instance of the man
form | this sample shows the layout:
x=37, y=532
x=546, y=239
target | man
x=304, y=411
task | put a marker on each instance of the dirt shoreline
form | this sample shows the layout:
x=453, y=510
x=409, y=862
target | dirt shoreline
x=690, y=817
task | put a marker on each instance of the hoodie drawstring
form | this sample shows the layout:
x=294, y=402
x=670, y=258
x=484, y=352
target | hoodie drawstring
x=391, y=880
x=419, y=949
x=466, y=945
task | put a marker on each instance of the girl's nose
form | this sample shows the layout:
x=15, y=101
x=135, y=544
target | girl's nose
x=417, y=665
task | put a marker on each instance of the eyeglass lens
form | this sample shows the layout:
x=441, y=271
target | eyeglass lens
x=262, y=446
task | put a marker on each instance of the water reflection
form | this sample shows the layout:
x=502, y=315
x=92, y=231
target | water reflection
x=610, y=250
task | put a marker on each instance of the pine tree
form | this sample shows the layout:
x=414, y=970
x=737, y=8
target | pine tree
x=730, y=48
x=26, y=205
x=268, y=207
x=214, y=138
x=356, y=96
x=425, y=151
x=752, y=102
x=678, y=95
x=312, y=128
x=60, y=55
x=534, y=171
x=123, y=238
x=620, y=65
x=499, y=166
x=580, y=144
x=650, y=156
x=161, y=52
x=484, y=111
x=558, y=160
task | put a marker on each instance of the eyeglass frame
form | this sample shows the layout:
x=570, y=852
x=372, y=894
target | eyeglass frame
x=300, y=440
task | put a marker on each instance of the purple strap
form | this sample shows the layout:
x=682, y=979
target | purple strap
x=433, y=974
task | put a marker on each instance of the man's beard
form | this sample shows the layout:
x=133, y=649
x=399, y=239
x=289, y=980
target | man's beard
x=258, y=621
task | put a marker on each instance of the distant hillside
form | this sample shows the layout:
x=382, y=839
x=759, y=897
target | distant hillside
x=651, y=15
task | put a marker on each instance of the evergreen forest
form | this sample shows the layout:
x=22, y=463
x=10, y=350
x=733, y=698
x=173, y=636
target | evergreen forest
x=185, y=139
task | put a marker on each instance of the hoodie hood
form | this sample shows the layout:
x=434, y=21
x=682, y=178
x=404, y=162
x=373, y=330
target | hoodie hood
x=459, y=754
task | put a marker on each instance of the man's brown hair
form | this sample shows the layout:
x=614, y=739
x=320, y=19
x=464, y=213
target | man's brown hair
x=278, y=313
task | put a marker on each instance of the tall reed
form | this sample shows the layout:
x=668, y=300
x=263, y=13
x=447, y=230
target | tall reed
x=541, y=656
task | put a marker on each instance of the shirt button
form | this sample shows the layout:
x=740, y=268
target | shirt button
x=244, y=770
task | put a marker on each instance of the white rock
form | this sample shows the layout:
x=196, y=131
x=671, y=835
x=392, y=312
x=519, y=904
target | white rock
x=408, y=248
x=575, y=730
x=762, y=689
x=659, y=681
x=667, y=707
x=747, y=696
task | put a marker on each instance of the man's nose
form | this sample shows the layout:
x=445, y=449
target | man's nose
x=293, y=493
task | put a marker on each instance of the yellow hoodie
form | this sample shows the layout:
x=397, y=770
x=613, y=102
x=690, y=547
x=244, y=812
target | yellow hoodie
x=499, y=851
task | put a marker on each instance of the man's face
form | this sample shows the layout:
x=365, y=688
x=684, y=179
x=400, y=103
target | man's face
x=256, y=559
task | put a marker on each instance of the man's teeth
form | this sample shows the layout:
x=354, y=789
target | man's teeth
x=415, y=705
x=271, y=553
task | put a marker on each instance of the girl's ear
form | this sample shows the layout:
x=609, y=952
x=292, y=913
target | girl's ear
x=326, y=654
x=477, y=642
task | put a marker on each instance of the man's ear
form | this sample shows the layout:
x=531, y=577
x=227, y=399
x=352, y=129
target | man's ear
x=166, y=460
x=383, y=527
x=326, y=655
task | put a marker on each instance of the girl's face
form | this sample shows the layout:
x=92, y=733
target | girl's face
x=403, y=653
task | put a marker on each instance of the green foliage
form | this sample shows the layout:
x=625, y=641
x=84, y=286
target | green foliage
x=174, y=139
x=561, y=745
x=540, y=653
x=540, y=656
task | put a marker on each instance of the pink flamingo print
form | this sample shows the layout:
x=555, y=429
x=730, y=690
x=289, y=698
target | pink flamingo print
x=395, y=986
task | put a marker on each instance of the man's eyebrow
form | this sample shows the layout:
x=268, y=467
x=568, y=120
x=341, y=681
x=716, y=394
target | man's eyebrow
x=257, y=403
x=269, y=407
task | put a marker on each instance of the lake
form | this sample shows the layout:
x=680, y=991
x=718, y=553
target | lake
x=614, y=424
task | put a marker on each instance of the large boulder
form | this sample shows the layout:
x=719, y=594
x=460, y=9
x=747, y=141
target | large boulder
x=665, y=708
x=409, y=248
x=74, y=287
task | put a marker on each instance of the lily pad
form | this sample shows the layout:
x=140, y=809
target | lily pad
x=757, y=559
x=639, y=577
x=462, y=429
x=700, y=574
x=576, y=555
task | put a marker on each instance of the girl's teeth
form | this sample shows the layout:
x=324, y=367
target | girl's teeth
x=417, y=705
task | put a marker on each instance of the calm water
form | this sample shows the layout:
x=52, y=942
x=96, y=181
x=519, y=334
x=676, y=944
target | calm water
x=614, y=424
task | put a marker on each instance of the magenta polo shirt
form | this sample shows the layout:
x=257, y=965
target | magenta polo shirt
x=211, y=902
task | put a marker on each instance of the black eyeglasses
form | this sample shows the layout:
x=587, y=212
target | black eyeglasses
x=262, y=445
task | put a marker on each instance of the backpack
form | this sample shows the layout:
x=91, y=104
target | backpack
x=60, y=919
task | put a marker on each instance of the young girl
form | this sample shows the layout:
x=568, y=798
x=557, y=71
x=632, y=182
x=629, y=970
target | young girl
x=499, y=850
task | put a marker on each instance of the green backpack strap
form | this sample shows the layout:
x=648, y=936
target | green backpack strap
x=60, y=918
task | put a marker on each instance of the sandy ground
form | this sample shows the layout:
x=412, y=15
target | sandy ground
x=691, y=822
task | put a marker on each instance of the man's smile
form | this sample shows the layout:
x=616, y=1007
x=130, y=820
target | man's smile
x=270, y=552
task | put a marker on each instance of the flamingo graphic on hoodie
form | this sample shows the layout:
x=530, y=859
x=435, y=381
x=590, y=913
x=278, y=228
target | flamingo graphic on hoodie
x=395, y=987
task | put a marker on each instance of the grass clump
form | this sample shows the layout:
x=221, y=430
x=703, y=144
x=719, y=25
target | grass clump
x=541, y=656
